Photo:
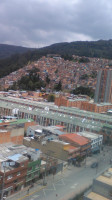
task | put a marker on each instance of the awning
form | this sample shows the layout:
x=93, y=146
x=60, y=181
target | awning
x=95, y=149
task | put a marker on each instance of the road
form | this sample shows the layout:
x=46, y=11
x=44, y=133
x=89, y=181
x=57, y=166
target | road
x=73, y=180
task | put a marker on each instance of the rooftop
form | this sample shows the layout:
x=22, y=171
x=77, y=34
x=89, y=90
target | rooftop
x=106, y=177
x=75, y=138
x=89, y=135
x=66, y=114
x=61, y=142
x=41, y=105
x=94, y=196
x=15, y=153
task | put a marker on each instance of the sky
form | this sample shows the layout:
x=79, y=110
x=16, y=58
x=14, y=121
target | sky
x=37, y=23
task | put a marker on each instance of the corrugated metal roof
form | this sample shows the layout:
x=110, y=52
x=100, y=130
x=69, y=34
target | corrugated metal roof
x=75, y=138
x=62, y=114
x=15, y=157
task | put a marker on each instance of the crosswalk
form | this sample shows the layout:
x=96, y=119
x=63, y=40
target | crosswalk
x=73, y=186
x=35, y=197
x=54, y=187
x=58, y=183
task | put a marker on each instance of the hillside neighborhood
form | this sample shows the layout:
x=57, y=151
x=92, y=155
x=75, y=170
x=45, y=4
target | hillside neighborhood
x=72, y=74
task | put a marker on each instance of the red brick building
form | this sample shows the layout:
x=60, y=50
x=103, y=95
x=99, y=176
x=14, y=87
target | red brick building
x=13, y=173
x=83, y=104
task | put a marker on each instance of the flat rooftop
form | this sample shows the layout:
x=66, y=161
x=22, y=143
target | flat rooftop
x=15, y=153
x=89, y=135
x=94, y=196
x=61, y=142
x=105, y=179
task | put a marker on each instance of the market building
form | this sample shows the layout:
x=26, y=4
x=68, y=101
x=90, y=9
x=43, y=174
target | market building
x=46, y=114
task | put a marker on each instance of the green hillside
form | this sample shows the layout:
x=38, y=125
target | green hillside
x=9, y=50
x=101, y=49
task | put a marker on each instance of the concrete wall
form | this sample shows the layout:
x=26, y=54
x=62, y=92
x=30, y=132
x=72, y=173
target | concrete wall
x=14, y=135
x=17, y=132
x=5, y=137
x=17, y=135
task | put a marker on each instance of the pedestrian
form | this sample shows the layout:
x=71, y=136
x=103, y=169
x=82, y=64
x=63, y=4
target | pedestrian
x=56, y=195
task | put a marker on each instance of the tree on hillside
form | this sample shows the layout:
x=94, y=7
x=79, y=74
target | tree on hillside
x=58, y=86
x=47, y=79
x=84, y=91
x=31, y=82
x=51, y=98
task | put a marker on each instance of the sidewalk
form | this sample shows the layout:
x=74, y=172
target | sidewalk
x=38, y=186
x=24, y=193
x=20, y=195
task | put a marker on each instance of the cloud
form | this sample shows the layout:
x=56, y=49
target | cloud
x=36, y=23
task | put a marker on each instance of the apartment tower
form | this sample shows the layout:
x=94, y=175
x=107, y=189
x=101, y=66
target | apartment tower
x=103, y=92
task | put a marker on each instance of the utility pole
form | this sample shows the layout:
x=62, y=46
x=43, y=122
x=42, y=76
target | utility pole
x=44, y=177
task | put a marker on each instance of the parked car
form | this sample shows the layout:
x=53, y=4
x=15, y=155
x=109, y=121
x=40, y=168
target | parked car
x=94, y=165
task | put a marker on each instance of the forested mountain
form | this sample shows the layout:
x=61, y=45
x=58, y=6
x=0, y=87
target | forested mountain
x=9, y=50
x=101, y=49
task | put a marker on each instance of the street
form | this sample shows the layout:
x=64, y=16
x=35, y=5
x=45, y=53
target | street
x=72, y=181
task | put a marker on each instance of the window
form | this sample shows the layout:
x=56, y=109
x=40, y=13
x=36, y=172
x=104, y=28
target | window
x=18, y=173
x=15, y=181
x=22, y=165
x=9, y=177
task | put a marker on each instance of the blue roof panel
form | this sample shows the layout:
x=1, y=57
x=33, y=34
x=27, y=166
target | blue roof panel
x=15, y=157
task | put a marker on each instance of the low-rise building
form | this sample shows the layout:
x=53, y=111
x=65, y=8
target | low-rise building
x=101, y=188
x=77, y=141
x=83, y=104
x=53, y=147
x=96, y=140
x=13, y=130
x=38, y=130
x=34, y=164
x=14, y=167
x=13, y=172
